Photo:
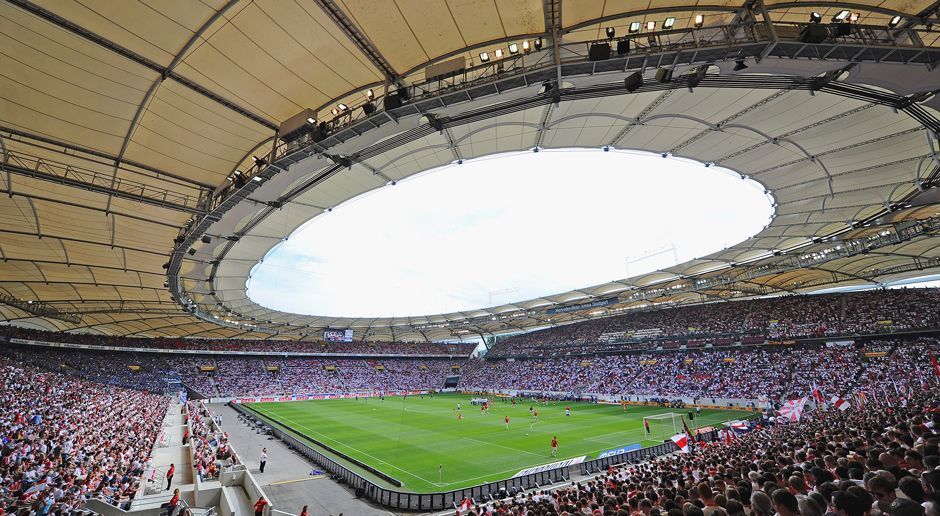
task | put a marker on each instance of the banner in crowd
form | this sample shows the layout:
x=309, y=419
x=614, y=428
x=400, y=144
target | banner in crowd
x=618, y=451
x=792, y=410
x=551, y=466
x=307, y=397
x=582, y=306
x=840, y=403
x=682, y=441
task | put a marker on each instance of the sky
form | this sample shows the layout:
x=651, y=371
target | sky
x=507, y=228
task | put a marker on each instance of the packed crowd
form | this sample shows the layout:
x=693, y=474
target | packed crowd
x=771, y=372
x=66, y=440
x=212, y=452
x=238, y=375
x=287, y=376
x=877, y=368
x=880, y=459
x=868, y=312
x=273, y=346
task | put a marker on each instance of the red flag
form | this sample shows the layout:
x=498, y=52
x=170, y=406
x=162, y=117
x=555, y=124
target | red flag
x=936, y=366
x=817, y=394
x=682, y=442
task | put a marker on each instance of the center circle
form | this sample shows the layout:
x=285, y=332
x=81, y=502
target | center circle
x=507, y=228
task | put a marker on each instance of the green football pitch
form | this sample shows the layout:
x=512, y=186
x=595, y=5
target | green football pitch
x=408, y=439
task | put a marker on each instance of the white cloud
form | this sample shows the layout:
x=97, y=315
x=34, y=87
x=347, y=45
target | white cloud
x=507, y=228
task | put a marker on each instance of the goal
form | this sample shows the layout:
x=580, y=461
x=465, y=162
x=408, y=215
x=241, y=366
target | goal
x=662, y=426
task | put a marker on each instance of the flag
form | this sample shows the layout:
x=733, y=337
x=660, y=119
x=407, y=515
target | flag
x=792, y=410
x=817, y=394
x=840, y=403
x=682, y=441
x=646, y=424
x=685, y=426
x=936, y=366
x=738, y=426
x=464, y=506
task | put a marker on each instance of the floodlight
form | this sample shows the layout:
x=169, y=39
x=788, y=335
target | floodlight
x=841, y=16
x=258, y=161
x=668, y=24
x=484, y=57
x=342, y=107
x=611, y=32
x=815, y=17
x=650, y=25
x=525, y=45
x=334, y=111
x=895, y=21
x=538, y=43
x=498, y=53
x=311, y=121
x=853, y=17
x=699, y=20
x=634, y=27
x=513, y=48
x=370, y=94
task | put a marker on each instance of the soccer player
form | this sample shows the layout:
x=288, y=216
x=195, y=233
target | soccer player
x=554, y=446
x=623, y=405
x=535, y=415
x=506, y=419
x=458, y=407
x=568, y=411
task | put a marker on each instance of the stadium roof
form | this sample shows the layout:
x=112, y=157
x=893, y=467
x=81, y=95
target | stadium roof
x=122, y=126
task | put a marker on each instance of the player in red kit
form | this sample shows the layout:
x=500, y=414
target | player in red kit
x=535, y=416
x=506, y=419
x=567, y=411
x=554, y=446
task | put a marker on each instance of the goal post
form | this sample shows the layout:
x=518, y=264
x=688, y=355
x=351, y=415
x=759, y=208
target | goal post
x=662, y=426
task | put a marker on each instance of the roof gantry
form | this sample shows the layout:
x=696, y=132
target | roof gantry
x=120, y=125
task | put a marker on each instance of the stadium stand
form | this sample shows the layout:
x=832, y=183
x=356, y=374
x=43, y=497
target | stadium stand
x=66, y=440
x=266, y=346
x=751, y=322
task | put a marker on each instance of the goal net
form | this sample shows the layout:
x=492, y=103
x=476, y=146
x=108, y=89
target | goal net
x=662, y=426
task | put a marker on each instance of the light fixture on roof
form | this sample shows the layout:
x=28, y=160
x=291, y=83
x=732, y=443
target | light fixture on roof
x=537, y=43
x=895, y=21
x=513, y=48
x=258, y=161
x=699, y=20
x=611, y=33
x=498, y=53
x=334, y=111
x=484, y=57
x=370, y=94
x=815, y=17
x=311, y=121
x=650, y=25
x=841, y=16
x=853, y=17
x=634, y=27
x=525, y=46
x=669, y=23
x=342, y=107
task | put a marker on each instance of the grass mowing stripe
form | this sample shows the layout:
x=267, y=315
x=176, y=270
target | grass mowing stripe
x=416, y=435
